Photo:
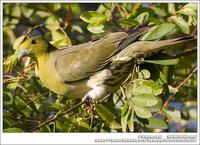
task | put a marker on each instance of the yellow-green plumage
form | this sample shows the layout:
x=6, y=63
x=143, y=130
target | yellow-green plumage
x=92, y=69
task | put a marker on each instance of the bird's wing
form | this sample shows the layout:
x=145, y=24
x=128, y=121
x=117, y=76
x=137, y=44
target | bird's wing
x=82, y=61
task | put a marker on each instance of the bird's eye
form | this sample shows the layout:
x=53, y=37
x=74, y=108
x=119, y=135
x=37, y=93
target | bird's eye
x=33, y=42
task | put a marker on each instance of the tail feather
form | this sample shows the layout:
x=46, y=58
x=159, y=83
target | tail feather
x=144, y=48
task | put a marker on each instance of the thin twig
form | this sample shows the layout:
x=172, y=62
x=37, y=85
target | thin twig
x=123, y=92
x=178, y=86
x=183, y=53
x=58, y=115
x=187, y=78
x=34, y=100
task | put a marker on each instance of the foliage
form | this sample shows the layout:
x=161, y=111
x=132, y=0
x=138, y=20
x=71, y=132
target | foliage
x=148, y=102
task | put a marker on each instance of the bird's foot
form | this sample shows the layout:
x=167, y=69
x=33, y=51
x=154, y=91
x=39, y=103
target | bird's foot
x=88, y=100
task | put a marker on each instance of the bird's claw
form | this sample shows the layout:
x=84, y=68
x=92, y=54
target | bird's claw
x=88, y=100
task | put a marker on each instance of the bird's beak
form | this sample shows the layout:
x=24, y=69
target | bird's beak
x=22, y=54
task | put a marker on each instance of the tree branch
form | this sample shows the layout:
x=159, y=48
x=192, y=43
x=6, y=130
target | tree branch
x=183, y=53
x=178, y=86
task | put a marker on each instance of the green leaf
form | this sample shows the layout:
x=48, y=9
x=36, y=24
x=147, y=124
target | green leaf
x=131, y=121
x=159, y=11
x=187, y=12
x=55, y=106
x=142, y=112
x=82, y=125
x=7, y=98
x=93, y=17
x=12, y=86
x=144, y=74
x=98, y=27
x=145, y=100
x=142, y=18
x=60, y=40
x=156, y=123
x=108, y=114
x=18, y=41
x=52, y=23
x=172, y=89
x=157, y=107
x=45, y=128
x=158, y=32
x=156, y=88
x=174, y=115
x=108, y=5
x=164, y=61
x=181, y=23
x=142, y=90
x=13, y=130
x=128, y=23
x=124, y=120
x=192, y=6
x=171, y=8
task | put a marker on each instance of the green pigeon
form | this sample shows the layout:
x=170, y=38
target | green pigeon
x=91, y=70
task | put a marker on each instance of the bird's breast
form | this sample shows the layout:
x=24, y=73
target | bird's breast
x=50, y=78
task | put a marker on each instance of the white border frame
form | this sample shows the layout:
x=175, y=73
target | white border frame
x=89, y=138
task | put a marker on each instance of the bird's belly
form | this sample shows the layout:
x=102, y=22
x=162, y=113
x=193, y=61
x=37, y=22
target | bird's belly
x=70, y=90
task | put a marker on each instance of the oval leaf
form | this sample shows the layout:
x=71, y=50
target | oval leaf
x=192, y=6
x=92, y=17
x=142, y=90
x=98, y=27
x=156, y=88
x=174, y=115
x=187, y=11
x=142, y=112
x=142, y=18
x=158, y=32
x=144, y=74
x=145, y=100
x=18, y=41
x=131, y=121
x=157, y=107
x=181, y=23
x=156, y=123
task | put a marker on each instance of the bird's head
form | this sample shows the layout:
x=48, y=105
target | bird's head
x=33, y=47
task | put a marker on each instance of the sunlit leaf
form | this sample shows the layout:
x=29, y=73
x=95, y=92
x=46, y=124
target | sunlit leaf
x=131, y=121
x=144, y=74
x=52, y=23
x=158, y=32
x=187, y=11
x=181, y=23
x=60, y=40
x=174, y=115
x=18, y=41
x=157, y=107
x=92, y=17
x=142, y=90
x=156, y=88
x=144, y=100
x=12, y=130
x=171, y=8
x=142, y=112
x=98, y=27
x=156, y=123
x=192, y=6
x=142, y=18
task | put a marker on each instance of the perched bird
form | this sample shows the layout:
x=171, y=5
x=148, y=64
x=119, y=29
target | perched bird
x=91, y=70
